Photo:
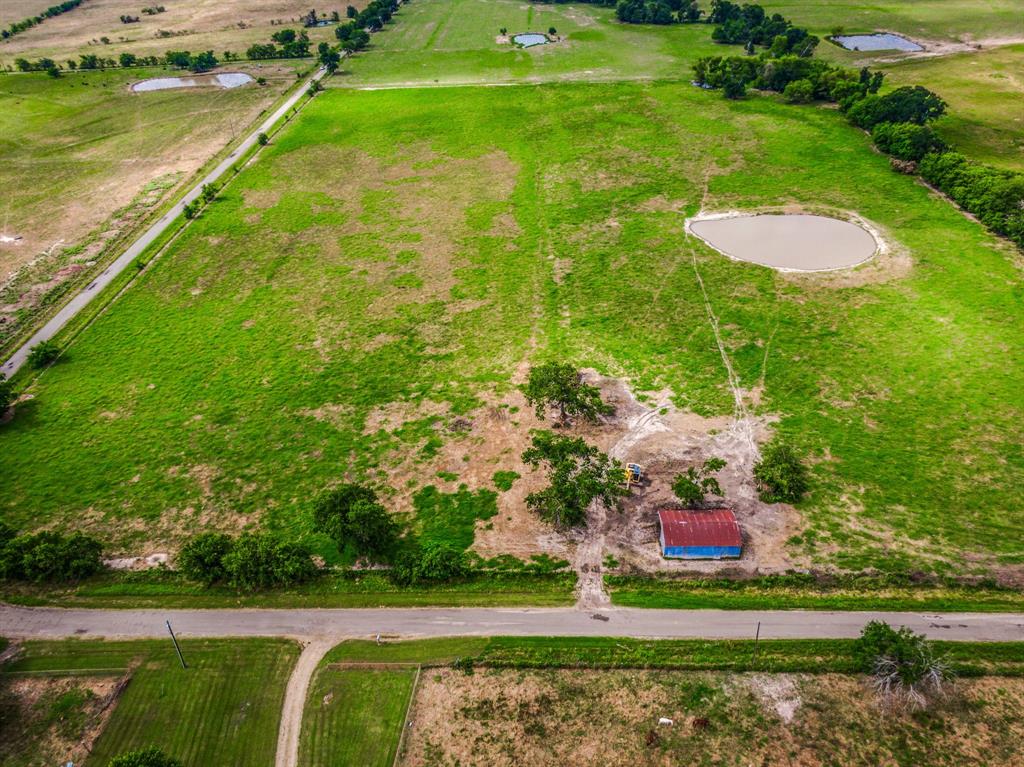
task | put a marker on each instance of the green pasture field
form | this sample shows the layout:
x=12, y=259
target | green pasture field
x=223, y=709
x=400, y=247
x=984, y=91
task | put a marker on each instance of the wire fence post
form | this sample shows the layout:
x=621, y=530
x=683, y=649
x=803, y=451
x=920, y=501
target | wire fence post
x=757, y=638
x=177, y=649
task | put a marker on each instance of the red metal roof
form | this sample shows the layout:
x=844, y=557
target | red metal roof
x=710, y=527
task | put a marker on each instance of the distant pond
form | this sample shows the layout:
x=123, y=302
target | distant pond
x=882, y=41
x=530, y=39
x=219, y=80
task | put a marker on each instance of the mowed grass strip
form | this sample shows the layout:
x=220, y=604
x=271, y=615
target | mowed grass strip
x=362, y=589
x=355, y=717
x=769, y=594
x=776, y=655
x=223, y=709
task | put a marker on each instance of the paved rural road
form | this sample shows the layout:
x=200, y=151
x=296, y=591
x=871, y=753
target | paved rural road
x=76, y=304
x=52, y=623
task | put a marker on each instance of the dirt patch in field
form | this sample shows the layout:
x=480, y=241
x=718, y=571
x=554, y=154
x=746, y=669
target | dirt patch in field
x=54, y=720
x=559, y=717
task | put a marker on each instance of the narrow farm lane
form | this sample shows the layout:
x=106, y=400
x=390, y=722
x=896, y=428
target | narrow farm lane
x=54, y=623
x=295, y=701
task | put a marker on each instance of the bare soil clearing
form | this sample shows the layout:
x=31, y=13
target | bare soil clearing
x=593, y=717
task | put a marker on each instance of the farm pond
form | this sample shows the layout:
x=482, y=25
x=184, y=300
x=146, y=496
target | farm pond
x=530, y=39
x=219, y=80
x=880, y=41
x=791, y=242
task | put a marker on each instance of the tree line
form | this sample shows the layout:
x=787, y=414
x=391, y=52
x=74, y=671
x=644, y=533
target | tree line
x=31, y=21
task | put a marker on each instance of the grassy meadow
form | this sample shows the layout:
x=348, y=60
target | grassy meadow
x=223, y=709
x=395, y=256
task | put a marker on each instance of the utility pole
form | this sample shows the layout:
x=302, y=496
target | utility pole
x=757, y=638
x=176, y=648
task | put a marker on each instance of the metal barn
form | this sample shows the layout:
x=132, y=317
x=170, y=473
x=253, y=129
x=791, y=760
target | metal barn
x=702, y=534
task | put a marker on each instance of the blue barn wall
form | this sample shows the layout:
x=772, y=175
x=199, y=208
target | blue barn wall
x=700, y=552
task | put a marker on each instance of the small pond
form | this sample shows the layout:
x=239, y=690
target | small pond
x=799, y=242
x=530, y=39
x=882, y=41
x=219, y=80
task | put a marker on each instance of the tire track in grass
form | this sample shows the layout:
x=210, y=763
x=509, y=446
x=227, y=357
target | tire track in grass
x=429, y=45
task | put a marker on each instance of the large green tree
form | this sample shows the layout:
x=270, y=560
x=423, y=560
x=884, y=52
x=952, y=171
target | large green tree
x=351, y=515
x=560, y=385
x=578, y=474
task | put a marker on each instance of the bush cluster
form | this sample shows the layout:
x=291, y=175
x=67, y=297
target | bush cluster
x=249, y=562
x=751, y=25
x=781, y=476
x=48, y=556
x=293, y=46
x=144, y=757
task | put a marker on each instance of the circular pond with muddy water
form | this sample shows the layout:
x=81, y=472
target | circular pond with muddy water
x=796, y=242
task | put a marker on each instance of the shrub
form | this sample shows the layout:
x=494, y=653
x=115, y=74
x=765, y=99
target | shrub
x=734, y=88
x=799, y=92
x=903, y=665
x=442, y=562
x=49, y=556
x=433, y=562
x=260, y=561
x=692, y=486
x=906, y=141
x=42, y=354
x=7, y=398
x=202, y=557
x=780, y=475
x=144, y=757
